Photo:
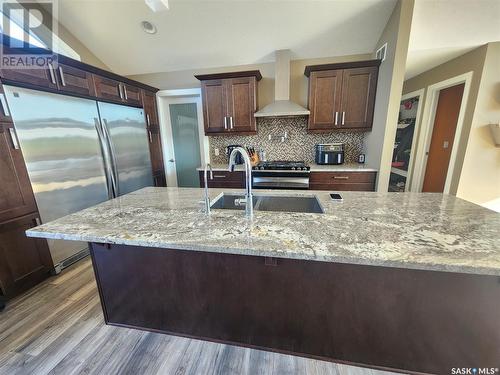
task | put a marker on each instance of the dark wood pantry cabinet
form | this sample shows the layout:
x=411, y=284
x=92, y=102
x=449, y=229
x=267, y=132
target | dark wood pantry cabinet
x=229, y=102
x=342, y=96
x=24, y=261
x=148, y=99
x=16, y=196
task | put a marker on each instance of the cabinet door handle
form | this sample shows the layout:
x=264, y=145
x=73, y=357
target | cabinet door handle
x=225, y=122
x=52, y=75
x=150, y=136
x=336, y=118
x=120, y=90
x=5, y=108
x=37, y=221
x=219, y=176
x=125, y=92
x=61, y=73
x=341, y=177
x=147, y=120
x=231, y=121
x=13, y=137
x=343, y=118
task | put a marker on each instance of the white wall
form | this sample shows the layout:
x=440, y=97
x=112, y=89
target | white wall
x=379, y=142
x=480, y=176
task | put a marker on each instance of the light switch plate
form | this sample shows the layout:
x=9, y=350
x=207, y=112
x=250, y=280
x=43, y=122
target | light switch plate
x=216, y=151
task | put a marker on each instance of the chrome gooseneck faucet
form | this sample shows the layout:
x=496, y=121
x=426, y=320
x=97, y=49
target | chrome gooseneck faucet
x=248, y=201
x=205, y=175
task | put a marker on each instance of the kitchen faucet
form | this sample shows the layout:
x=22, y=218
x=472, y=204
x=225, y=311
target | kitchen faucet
x=248, y=200
x=207, y=198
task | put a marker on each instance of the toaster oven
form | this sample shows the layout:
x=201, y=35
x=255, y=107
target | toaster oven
x=330, y=153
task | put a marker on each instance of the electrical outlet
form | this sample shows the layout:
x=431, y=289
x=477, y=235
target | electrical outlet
x=216, y=151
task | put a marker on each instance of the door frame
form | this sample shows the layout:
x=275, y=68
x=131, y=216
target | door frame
x=427, y=127
x=164, y=98
x=420, y=95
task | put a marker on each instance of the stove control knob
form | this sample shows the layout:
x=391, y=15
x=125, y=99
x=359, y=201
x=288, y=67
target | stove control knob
x=293, y=168
x=304, y=168
x=262, y=168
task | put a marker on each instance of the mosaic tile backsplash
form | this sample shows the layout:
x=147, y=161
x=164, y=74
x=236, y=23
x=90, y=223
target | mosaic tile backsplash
x=298, y=146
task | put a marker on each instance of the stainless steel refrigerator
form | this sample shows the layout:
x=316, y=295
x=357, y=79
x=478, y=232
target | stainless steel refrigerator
x=78, y=152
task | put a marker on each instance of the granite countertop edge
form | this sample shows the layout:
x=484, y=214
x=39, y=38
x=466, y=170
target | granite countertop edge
x=273, y=254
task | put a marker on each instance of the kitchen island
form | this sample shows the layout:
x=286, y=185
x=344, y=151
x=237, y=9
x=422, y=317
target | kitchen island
x=408, y=282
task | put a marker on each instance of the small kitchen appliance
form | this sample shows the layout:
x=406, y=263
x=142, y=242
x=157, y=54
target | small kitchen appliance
x=330, y=153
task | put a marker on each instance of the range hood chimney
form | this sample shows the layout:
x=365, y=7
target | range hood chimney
x=282, y=106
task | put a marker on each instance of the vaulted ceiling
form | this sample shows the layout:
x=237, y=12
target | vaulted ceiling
x=197, y=34
x=444, y=29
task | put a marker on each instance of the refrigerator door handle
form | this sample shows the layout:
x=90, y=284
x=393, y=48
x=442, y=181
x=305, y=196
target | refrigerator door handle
x=13, y=137
x=105, y=156
x=5, y=108
x=114, y=170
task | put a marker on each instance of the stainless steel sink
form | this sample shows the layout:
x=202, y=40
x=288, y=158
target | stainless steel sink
x=227, y=201
x=282, y=203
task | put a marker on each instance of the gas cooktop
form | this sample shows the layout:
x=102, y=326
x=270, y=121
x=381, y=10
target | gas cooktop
x=282, y=165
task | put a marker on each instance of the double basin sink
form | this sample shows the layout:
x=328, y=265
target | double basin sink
x=281, y=203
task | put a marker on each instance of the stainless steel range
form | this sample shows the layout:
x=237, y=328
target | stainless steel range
x=281, y=175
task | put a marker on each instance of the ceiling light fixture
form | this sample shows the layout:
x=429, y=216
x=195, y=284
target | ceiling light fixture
x=148, y=27
x=157, y=5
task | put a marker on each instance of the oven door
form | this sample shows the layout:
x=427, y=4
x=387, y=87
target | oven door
x=280, y=180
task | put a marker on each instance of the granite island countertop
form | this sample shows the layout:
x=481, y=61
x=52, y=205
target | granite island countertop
x=424, y=231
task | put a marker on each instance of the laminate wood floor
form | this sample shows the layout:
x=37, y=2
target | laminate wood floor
x=58, y=328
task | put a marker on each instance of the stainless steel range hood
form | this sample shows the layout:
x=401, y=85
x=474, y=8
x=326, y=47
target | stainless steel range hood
x=282, y=106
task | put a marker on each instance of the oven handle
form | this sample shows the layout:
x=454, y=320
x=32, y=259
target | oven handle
x=284, y=182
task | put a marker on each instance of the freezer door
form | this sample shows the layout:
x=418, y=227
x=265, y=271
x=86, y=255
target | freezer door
x=125, y=130
x=62, y=152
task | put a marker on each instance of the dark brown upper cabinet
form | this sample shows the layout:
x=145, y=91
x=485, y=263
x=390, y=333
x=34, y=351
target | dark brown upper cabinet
x=324, y=99
x=75, y=80
x=36, y=78
x=242, y=104
x=108, y=89
x=16, y=196
x=342, y=96
x=131, y=94
x=214, y=106
x=116, y=91
x=229, y=102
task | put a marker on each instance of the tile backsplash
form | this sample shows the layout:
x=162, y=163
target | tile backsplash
x=298, y=146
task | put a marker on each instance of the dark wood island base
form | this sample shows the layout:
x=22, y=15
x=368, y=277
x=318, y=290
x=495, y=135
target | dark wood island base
x=391, y=318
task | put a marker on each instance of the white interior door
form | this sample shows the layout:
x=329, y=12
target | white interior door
x=181, y=118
